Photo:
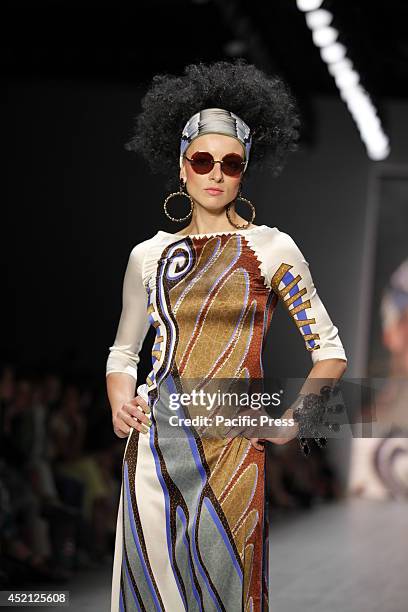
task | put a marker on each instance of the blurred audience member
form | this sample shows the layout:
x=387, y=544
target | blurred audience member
x=60, y=475
x=379, y=465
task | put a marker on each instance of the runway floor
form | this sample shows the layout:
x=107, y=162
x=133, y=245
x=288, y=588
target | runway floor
x=343, y=557
x=348, y=556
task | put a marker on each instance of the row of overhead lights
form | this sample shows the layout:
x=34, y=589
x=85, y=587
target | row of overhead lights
x=347, y=78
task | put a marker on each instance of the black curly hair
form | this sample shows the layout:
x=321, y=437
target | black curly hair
x=264, y=102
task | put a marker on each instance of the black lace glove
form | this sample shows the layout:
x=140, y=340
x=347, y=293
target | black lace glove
x=312, y=412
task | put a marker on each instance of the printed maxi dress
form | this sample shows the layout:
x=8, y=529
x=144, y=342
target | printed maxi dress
x=192, y=526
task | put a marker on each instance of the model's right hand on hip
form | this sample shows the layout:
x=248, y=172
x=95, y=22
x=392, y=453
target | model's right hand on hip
x=257, y=443
x=132, y=414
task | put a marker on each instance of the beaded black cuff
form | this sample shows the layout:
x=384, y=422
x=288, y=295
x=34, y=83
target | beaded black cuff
x=311, y=412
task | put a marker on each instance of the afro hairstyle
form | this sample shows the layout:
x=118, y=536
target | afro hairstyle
x=264, y=102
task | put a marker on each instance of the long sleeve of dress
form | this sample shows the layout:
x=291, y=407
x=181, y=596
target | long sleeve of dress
x=134, y=323
x=291, y=279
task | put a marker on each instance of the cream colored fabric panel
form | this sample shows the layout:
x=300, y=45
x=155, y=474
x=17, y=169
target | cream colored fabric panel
x=134, y=322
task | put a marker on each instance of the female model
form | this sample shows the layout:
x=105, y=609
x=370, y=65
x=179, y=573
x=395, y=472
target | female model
x=192, y=530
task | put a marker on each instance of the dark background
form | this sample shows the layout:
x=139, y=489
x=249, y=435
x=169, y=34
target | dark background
x=77, y=202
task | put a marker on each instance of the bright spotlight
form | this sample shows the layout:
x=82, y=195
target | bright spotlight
x=308, y=5
x=333, y=53
x=339, y=67
x=347, y=78
x=324, y=36
x=318, y=19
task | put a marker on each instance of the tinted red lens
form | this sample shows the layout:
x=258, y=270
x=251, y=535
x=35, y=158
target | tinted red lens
x=202, y=162
x=232, y=164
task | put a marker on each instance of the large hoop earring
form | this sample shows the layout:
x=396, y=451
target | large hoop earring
x=182, y=193
x=239, y=197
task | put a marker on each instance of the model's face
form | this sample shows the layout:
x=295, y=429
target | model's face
x=199, y=185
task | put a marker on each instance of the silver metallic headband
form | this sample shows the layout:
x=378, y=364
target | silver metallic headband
x=216, y=121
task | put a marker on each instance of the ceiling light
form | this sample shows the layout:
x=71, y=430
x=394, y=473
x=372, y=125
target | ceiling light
x=347, y=79
x=308, y=5
x=324, y=36
x=318, y=19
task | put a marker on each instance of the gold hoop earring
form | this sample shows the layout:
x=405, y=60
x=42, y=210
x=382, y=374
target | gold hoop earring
x=239, y=197
x=182, y=193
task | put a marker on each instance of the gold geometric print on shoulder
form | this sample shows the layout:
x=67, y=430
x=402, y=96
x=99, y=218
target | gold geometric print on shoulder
x=282, y=275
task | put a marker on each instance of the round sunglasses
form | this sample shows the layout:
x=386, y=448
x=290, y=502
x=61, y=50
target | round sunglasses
x=202, y=162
